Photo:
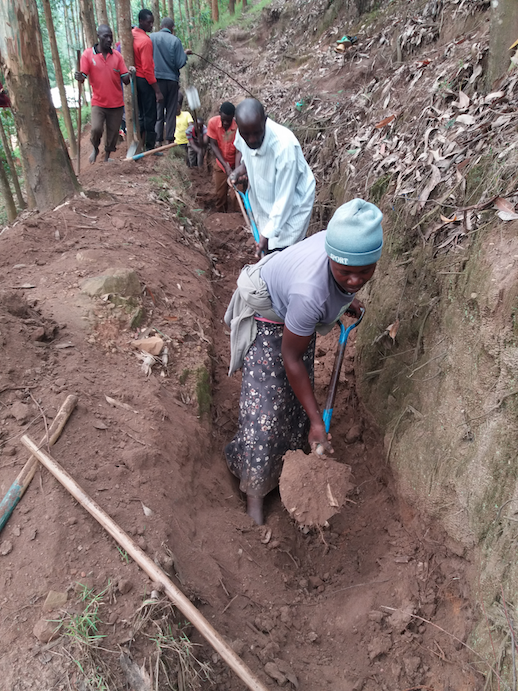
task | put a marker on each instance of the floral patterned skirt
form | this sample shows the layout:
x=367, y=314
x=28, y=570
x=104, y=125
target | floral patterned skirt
x=271, y=419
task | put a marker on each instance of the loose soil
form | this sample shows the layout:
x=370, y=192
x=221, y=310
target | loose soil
x=375, y=600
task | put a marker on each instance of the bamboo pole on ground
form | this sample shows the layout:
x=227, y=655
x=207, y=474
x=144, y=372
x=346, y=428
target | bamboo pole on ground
x=149, y=567
x=17, y=489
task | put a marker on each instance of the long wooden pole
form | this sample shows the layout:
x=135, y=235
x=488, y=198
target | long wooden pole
x=149, y=567
x=17, y=489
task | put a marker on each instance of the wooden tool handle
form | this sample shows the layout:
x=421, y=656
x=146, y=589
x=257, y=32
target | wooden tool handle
x=149, y=567
x=153, y=151
x=23, y=480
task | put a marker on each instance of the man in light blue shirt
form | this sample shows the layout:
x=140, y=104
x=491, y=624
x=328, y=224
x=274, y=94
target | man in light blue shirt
x=281, y=184
x=169, y=57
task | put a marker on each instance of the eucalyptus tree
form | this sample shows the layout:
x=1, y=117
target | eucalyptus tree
x=48, y=171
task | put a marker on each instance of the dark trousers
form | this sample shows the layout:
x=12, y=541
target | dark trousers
x=166, y=111
x=112, y=117
x=147, y=112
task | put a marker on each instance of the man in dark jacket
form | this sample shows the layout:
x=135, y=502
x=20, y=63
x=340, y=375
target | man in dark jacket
x=169, y=57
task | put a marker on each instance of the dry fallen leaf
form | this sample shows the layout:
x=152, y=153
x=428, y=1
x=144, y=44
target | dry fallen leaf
x=100, y=425
x=385, y=121
x=505, y=210
x=448, y=220
x=393, y=329
x=146, y=510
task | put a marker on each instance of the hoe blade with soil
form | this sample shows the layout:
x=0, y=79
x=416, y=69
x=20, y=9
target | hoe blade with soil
x=314, y=488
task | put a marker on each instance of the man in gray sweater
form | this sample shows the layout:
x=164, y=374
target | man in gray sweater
x=169, y=57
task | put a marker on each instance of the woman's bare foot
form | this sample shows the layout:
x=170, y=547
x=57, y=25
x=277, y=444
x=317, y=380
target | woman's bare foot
x=93, y=155
x=254, y=508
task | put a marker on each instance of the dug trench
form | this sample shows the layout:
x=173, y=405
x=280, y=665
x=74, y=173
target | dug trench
x=344, y=608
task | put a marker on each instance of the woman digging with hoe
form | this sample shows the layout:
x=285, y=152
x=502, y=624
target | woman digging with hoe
x=279, y=304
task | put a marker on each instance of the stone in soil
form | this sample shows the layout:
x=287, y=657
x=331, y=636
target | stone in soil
x=313, y=489
x=45, y=631
x=122, y=282
x=54, y=600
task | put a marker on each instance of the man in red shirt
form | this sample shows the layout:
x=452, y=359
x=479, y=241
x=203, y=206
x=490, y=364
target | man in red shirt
x=104, y=68
x=148, y=91
x=221, y=131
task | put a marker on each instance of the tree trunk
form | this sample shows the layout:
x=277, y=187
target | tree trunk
x=101, y=12
x=77, y=37
x=10, y=162
x=215, y=11
x=155, y=8
x=170, y=6
x=126, y=38
x=88, y=21
x=503, y=33
x=6, y=194
x=48, y=169
x=244, y=3
x=59, y=78
x=232, y=6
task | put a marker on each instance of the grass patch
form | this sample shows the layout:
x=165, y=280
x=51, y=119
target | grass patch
x=84, y=638
x=203, y=391
x=176, y=664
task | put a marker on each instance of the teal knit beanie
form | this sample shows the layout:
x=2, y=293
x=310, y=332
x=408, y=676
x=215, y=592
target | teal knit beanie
x=354, y=235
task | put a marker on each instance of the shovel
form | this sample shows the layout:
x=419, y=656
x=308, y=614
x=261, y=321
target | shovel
x=314, y=489
x=151, y=151
x=246, y=210
x=136, y=145
x=193, y=100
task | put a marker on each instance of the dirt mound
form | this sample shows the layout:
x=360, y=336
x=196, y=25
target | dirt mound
x=313, y=489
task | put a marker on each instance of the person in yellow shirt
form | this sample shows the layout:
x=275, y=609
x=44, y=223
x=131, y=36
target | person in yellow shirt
x=183, y=120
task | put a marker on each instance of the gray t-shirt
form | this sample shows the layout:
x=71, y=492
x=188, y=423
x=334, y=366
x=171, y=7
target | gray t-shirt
x=302, y=289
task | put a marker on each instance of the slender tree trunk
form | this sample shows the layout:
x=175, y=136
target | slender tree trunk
x=170, y=8
x=6, y=194
x=503, y=33
x=232, y=6
x=48, y=168
x=244, y=3
x=10, y=162
x=126, y=38
x=180, y=10
x=77, y=38
x=155, y=8
x=59, y=78
x=215, y=11
x=164, y=9
x=101, y=12
x=88, y=21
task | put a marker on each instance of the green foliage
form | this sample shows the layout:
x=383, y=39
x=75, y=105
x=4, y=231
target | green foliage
x=203, y=392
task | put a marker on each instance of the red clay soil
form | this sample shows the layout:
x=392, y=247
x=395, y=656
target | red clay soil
x=340, y=609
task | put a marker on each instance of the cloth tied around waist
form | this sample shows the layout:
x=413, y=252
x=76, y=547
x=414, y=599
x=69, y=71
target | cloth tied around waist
x=252, y=298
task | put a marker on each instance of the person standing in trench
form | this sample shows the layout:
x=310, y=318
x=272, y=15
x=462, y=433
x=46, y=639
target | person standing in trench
x=278, y=306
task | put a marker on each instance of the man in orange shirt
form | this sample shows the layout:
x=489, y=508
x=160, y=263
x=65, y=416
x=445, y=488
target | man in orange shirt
x=104, y=68
x=221, y=131
x=148, y=92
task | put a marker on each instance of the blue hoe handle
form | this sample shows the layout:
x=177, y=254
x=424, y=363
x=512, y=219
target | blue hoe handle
x=335, y=375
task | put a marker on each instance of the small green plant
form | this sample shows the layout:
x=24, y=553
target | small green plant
x=203, y=392
x=84, y=638
x=84, y=627
x=124, y=555
x=184, y=376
